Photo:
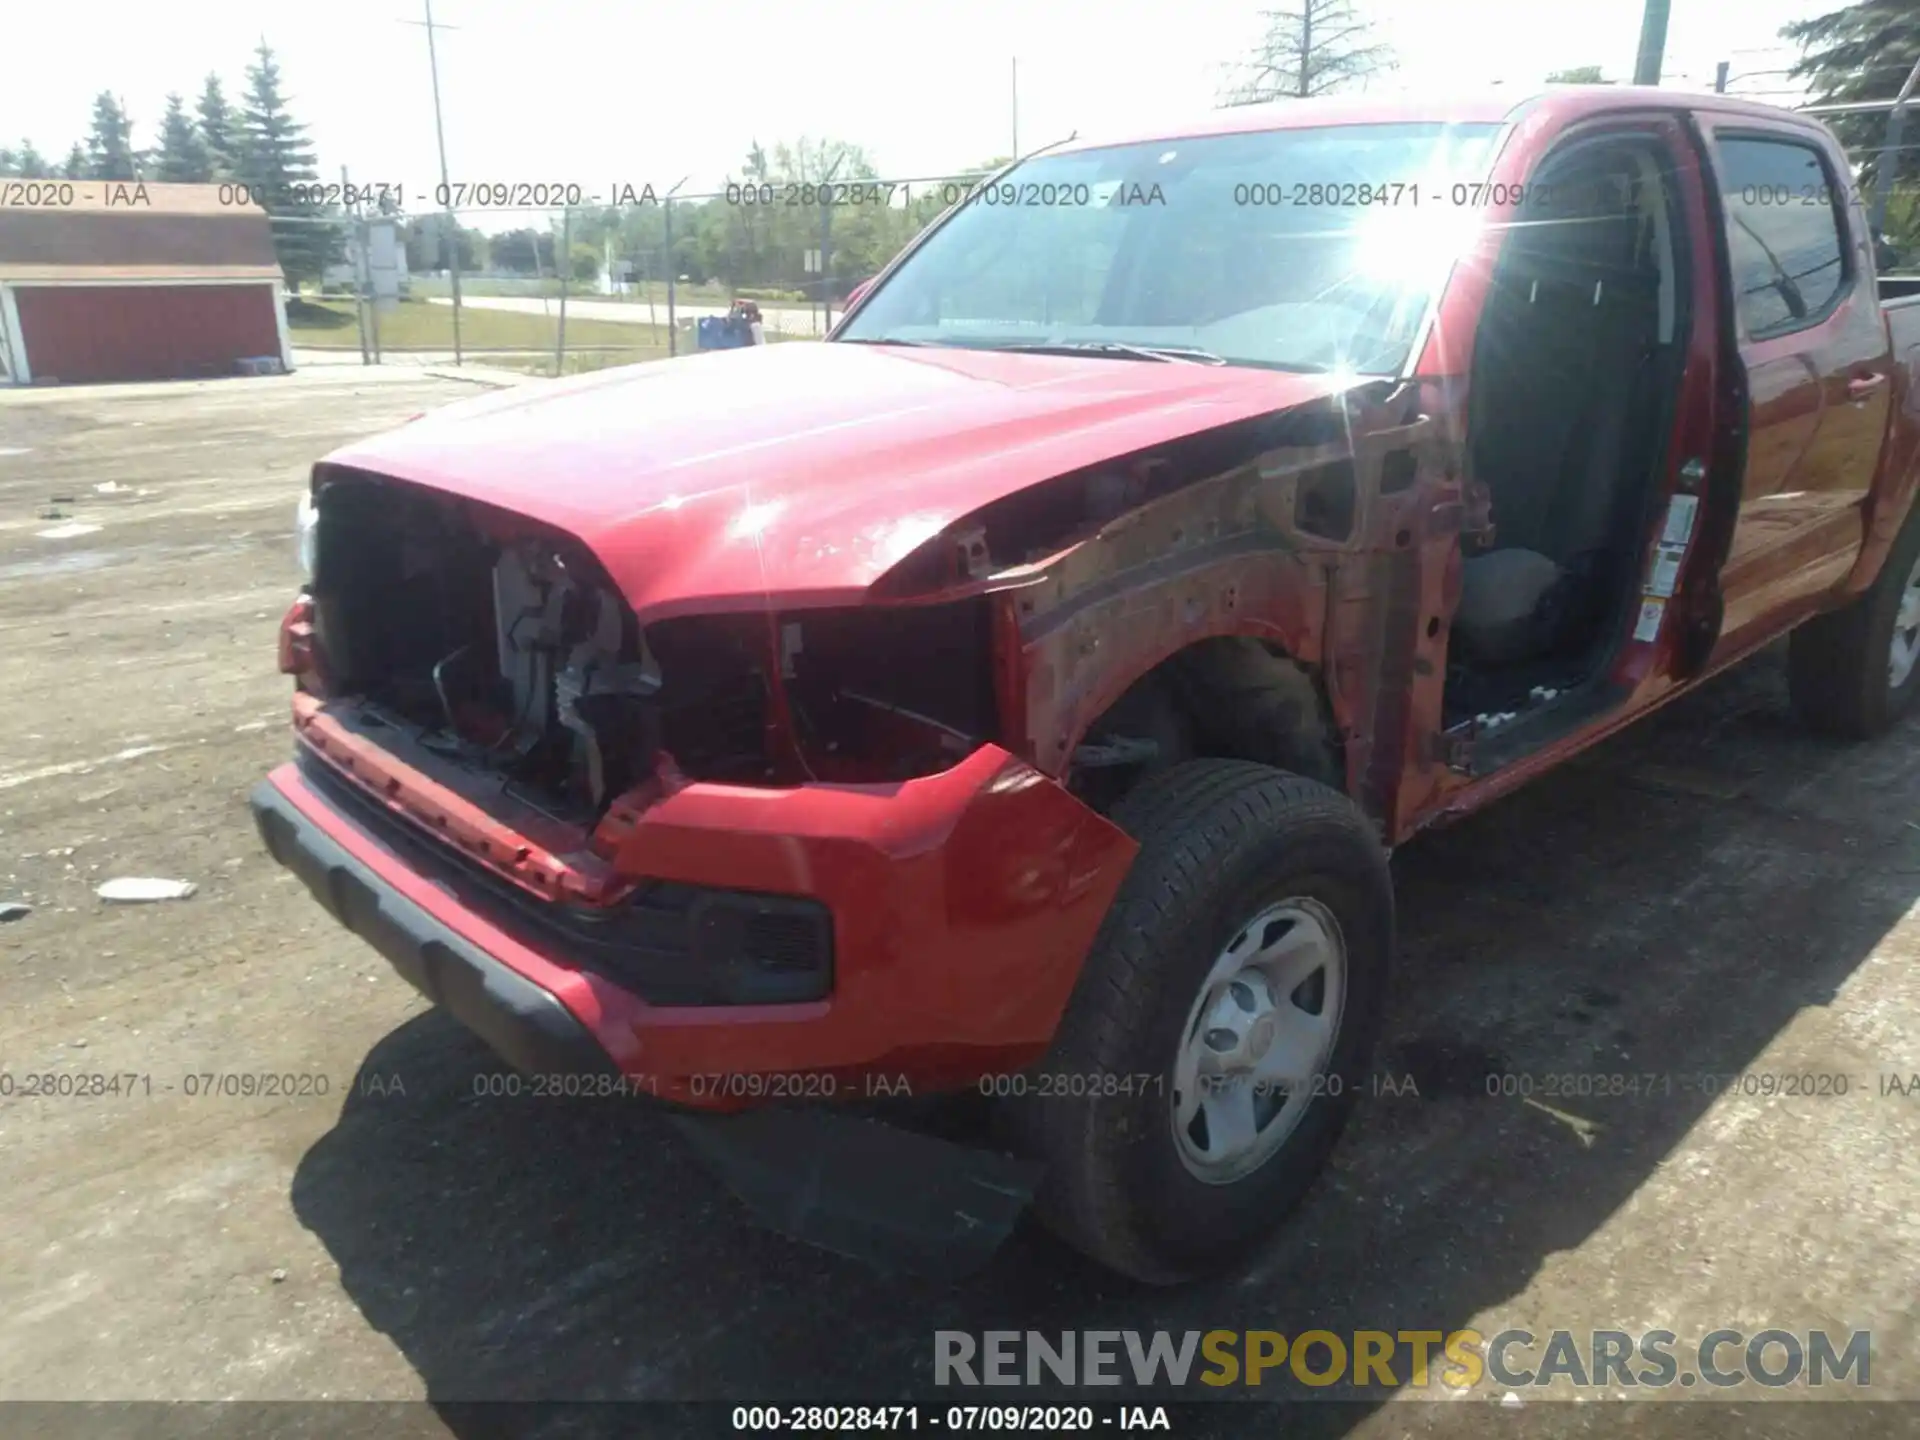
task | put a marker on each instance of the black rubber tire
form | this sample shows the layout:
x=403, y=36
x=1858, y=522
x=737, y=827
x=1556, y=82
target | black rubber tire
x=1220, y=839
x=1837, y=663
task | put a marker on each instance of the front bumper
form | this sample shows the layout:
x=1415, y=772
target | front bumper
x=962, y=906
x=525, y=1025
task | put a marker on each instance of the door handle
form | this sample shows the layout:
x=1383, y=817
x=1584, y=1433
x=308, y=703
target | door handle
x=1862, y=388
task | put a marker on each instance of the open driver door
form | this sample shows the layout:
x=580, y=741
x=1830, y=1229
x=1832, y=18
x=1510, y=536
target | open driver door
x=1680, y=608
x=1701, y=509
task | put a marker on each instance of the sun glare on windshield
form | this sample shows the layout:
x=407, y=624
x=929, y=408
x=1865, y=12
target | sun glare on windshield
x=1418, y=243
x=1305, y=250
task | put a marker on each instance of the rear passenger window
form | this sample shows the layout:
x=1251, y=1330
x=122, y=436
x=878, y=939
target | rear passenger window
x=1784, y=233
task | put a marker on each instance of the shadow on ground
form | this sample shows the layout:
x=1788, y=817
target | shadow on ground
x=1667, y=904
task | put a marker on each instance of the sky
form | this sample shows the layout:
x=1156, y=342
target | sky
x=597, y=92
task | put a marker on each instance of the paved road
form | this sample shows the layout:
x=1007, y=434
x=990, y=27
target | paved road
x=1712, y=893
x=785, y=320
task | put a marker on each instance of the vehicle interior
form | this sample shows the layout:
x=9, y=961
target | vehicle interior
x=1576, y=369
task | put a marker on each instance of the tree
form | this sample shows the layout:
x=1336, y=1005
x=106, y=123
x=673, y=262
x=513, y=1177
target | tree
x=426, y=244
x=110, y=145
x=26, y=162
x=182, y=157
x=760, y=245
x=1861, y=52
x=524, y=251
x=75, y=166
x=217, y=128
x=1579, y=75
x=277, y=165
x=30, y=163
x=1315, y=48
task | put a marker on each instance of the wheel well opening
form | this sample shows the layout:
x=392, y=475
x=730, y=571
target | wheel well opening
x=1232, y=697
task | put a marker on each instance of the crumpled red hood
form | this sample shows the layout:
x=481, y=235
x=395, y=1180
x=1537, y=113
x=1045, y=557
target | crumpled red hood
x=801, y=471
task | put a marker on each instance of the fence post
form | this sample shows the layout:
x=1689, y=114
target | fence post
x=368, y=308
x=673, y=330
x=356, y=227
x=373, y=305
x=362, y=283
x=563, y=263
x=451, y=229
x=826, y=249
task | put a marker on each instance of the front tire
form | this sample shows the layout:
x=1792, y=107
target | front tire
x=1222, y=1025
x=1852, y=672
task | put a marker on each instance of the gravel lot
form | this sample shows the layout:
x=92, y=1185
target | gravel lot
x=1712, y=893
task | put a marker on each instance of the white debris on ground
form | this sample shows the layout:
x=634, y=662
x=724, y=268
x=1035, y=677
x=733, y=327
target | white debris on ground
x=139, y=889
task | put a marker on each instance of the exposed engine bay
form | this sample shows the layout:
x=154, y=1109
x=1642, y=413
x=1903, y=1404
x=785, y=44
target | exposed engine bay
x=503, y=647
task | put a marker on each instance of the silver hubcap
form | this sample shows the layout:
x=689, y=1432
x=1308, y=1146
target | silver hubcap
x=1906, y=632
x=1262, y=1028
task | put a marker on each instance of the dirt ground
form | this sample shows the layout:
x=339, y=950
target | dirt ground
x=1712, y=893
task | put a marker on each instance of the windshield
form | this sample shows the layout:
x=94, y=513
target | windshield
x=1314, y=250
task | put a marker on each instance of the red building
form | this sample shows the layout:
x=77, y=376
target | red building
x=110, y=280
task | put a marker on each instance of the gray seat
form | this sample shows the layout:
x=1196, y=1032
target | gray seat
x=1561, y=388
x=1504, y=616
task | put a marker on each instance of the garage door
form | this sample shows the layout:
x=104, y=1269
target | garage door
x=144, y=332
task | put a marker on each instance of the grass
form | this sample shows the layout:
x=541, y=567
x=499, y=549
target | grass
x=578, y=362
x=707, y=294
x=504, y=339
x=419, y=325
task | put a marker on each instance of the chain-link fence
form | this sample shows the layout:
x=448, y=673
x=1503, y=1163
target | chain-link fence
x=573, y=284
x=549, y=280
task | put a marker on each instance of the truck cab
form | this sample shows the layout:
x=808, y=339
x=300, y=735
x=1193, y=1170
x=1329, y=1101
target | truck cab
x=1679, y=388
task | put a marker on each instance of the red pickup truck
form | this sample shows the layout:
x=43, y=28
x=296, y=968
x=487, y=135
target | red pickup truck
x=1021, y=692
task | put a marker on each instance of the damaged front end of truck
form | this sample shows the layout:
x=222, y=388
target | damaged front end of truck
x=920, y=756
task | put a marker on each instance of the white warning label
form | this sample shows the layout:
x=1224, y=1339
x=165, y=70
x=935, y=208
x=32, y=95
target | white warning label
x=1680, y=513
x=1666, y=570
x=1651, y=614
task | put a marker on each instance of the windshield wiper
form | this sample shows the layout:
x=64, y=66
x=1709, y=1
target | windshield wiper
x=1168, y=354
x=888, y=340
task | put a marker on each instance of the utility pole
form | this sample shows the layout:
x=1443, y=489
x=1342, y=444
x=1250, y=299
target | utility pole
x=1720, y=78
x=1653, y=43
x=452, y=236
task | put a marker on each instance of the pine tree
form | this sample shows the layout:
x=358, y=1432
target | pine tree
x=30, y=163
x=110, y=146
x=276, y=162
x=76, y=164
x=182, y=157
x=1862, y=52
x=216, y=122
